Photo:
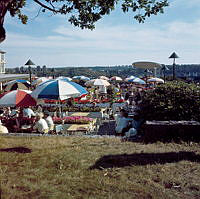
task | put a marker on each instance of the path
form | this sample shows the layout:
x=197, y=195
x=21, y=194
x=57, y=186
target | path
x=107, y=128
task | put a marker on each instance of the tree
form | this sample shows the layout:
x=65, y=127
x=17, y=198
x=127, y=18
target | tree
x=82, y=13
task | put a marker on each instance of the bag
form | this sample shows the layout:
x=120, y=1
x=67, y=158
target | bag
x=131, y=133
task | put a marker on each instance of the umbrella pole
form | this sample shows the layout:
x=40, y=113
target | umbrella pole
x=60, y=109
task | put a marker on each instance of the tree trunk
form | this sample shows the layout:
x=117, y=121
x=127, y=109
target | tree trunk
x=4, y=4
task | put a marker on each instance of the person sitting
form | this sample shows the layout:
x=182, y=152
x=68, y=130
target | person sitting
x=49, y=121
x=41, y=125
x=28, y=112
x=14, y=111
x=122, y=123
x=1, y=112
x=135, y=126
x=7, y=111
x=3, y=129
x=14, y=123
x=39, y=109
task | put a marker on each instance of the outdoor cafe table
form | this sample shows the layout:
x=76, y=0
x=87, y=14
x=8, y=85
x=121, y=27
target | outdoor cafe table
x=94, y=115
x=100, y=105
x=27, y=129
x=76, y=128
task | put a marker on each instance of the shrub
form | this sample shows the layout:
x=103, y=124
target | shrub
x=172, y=101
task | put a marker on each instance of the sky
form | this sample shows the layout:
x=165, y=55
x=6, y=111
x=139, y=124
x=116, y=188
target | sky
x=118, y=39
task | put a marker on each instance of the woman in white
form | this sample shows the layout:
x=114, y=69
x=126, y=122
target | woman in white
x=41, y=125
x=3, y=129
x=49, y=121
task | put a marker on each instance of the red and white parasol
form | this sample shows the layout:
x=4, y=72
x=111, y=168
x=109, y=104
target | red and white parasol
x=18, y=98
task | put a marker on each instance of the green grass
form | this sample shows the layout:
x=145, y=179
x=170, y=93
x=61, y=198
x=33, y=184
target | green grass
x=75, y=167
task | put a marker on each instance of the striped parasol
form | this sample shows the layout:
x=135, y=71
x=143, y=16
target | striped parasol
x=18, y=98
x=58, y=90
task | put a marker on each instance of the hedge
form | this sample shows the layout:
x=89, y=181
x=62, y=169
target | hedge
x=172, y=101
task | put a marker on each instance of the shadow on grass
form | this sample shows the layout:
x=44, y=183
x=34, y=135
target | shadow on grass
x=17, y=150
x=122, y=160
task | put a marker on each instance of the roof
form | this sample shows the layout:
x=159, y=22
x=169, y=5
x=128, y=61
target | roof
x=146, y=64
x=8, y=77
x=29, y=63
x=174, y=55
x=2, y=52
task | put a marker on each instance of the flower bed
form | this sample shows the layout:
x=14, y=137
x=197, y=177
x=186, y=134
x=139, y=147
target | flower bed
x=119, y=101
x=73, y=120
x=55, y=101
x=75, y=109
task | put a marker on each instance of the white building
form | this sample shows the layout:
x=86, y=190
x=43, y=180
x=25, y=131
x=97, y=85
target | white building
x=2, y=61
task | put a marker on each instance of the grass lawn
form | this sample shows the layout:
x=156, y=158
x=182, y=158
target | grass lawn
x=95, y=168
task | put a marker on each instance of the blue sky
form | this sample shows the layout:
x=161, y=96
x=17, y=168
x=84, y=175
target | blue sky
x=117, y=40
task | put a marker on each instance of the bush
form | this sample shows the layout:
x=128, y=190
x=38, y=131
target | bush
x=172, y=101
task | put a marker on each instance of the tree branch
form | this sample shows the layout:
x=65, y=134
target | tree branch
x=37, y=13
x=3, y=10
x=44, y=6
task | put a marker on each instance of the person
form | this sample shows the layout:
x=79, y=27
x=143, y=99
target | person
x=39, y=109
x=41, y=125
x=135, y=126
x=122, y=122
x=49, y=121
x=127, y=95
x=96, y=93
x=7, y=111
x=109, y=90
x=126, y=105
x=116, y=89
x=1, y=112
x=14, y=122
x=138, y=97
x=69, y=102
x=14, y=111
x=28, y=112
x=121, y=97
x=102, y=89
x=3, y=129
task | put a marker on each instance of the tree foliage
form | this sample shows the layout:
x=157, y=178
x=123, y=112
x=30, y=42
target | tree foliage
x=82, y=13
x=172, y=101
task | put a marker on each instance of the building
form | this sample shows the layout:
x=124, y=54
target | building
x=8, y=77
x=2, y=61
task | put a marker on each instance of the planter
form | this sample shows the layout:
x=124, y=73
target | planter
x=75, y=129
x=171, y=130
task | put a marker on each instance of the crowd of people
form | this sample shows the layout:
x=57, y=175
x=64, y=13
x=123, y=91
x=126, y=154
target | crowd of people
x=39, y=120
